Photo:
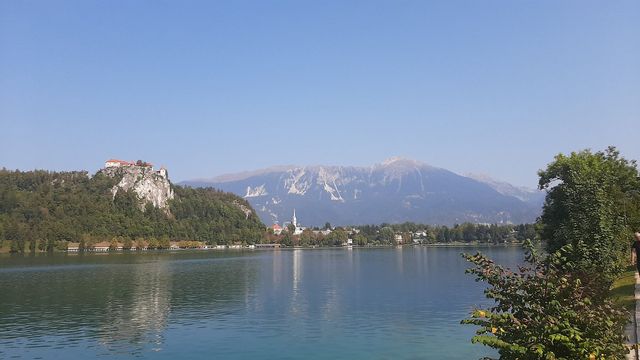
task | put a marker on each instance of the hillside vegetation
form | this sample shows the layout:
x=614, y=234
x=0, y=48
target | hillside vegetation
x=48, y=209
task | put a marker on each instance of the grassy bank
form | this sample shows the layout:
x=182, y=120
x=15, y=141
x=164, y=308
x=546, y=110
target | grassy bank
x=623, y=289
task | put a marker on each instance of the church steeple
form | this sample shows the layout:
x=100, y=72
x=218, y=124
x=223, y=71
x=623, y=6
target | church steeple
x=294, y=221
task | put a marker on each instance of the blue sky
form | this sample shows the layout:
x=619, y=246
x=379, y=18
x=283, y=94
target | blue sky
x=212, y=87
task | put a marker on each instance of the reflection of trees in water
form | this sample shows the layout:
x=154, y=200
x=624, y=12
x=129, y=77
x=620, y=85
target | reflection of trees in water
x=123, y=302
x=190, y=291
x=141, y=321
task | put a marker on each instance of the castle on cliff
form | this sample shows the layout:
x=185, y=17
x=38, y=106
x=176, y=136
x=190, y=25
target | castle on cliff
x=115, y=163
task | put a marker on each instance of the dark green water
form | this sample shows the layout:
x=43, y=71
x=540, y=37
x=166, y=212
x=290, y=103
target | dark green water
x=288, y=304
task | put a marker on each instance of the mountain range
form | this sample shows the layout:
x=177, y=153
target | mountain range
x=396, y=190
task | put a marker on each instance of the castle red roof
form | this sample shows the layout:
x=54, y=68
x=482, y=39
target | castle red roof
x=121, y=162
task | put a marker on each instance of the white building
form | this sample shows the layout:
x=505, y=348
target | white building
x=294, y=221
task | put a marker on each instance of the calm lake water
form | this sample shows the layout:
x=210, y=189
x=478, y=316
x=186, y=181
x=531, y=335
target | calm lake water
x=288, y=304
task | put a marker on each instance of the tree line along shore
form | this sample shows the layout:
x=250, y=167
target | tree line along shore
x=368, y=235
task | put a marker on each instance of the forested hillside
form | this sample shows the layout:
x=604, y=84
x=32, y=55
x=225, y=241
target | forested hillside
x=45, y=210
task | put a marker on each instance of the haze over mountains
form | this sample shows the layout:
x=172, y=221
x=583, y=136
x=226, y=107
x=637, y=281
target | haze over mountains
x=396, y=190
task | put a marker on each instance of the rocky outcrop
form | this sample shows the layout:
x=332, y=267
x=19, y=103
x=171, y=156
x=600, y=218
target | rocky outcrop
x=151, y=187
x=245, y=209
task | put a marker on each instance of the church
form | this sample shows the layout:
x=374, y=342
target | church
x=277, y=229
x=298, y=229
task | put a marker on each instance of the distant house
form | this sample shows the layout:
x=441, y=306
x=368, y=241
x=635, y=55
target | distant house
x=267, y=246
x=101, y=246
x=277, y=229
x=73, y=247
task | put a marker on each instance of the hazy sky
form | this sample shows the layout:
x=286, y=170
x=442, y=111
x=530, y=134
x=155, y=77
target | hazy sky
x=212, y=87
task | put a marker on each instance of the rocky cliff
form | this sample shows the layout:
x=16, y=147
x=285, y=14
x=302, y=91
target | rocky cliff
x=149, y=185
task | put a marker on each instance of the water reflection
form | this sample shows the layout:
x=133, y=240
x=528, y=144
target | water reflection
x=113, y=304
x=140, y=323
x=298, y=303
x=316, y=304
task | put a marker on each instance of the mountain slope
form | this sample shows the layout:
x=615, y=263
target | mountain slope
x=532, y=196
x=396, y=190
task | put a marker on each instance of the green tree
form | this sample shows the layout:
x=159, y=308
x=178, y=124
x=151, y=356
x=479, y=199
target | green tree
x=584, y=208
x=287, y=239
x=306, y=237
x=387, y=235
x=153, y=243
x=360, y=240
x=14, y=247
x=164, y=242
x=140, y=243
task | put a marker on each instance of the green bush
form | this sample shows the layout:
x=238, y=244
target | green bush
x=542, y=311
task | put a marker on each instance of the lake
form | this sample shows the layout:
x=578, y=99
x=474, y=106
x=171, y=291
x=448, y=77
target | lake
x=387, y=303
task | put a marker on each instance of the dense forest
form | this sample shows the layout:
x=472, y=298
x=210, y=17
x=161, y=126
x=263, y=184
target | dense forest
x=46, y=210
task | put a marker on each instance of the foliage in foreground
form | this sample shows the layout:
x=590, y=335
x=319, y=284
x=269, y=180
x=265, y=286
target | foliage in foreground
x=543, y=312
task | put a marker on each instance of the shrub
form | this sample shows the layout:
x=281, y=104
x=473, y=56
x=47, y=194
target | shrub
x=542, y=311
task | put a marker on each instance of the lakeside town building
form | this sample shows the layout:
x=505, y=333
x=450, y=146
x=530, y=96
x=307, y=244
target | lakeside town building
x=277, y=229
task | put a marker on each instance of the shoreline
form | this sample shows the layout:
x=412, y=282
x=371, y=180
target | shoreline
x=235, y=248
